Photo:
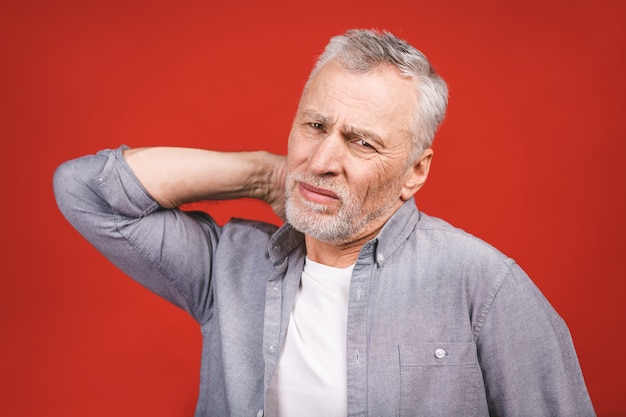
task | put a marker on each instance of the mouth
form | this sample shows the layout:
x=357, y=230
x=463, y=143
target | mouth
x=317, y=195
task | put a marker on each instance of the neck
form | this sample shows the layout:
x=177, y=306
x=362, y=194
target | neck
x=336, y=255
x=342, y=255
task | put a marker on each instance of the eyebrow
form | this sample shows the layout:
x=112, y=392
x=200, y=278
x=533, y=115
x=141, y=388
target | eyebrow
x=318, y=117
x=352, y=131
x=349, y=131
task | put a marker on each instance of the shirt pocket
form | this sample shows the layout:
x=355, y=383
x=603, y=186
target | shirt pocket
x=440, y=379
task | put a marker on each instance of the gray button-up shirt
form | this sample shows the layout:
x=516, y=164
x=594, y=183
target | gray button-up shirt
x=439, y=322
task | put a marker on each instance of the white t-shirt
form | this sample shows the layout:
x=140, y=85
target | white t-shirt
x=310, y=379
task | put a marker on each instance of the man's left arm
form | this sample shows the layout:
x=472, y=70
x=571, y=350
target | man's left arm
x=529, y=363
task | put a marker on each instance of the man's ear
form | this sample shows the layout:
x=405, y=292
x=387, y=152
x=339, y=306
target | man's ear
x=416, y=175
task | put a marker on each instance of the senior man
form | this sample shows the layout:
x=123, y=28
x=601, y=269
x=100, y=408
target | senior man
x=359, y=305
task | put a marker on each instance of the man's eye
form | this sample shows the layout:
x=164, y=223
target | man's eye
x=363, y=143
x=317, y=126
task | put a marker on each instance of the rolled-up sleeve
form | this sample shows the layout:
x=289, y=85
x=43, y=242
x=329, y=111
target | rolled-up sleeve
x=168, y=251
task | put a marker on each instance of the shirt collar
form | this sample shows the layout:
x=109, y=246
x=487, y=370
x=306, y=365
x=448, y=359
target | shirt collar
x=397, y=230
x=284, y=240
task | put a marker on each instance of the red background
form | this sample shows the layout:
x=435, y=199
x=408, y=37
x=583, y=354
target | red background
x=529, y=159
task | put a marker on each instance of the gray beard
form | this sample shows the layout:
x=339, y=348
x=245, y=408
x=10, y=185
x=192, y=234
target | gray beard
x=334, y=229
x=314, y=220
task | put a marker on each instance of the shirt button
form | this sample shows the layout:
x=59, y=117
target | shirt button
x=440, y=353
x=380, y=258
x=259, y=413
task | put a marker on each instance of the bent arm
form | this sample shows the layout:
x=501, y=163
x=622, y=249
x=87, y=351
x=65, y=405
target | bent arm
x=168, y=251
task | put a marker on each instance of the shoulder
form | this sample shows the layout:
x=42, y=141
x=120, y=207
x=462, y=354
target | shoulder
x=255, y=227
x=250, y=234
x=436, y=236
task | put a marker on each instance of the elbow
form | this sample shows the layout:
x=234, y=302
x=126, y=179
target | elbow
x=64, y=184
x=73, y=192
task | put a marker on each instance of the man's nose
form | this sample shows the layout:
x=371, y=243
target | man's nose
x=327, y=155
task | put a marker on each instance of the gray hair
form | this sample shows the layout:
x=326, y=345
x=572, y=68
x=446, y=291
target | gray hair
x=362, y=50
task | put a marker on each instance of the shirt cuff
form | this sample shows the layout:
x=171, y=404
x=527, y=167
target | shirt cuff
x=121, y=188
